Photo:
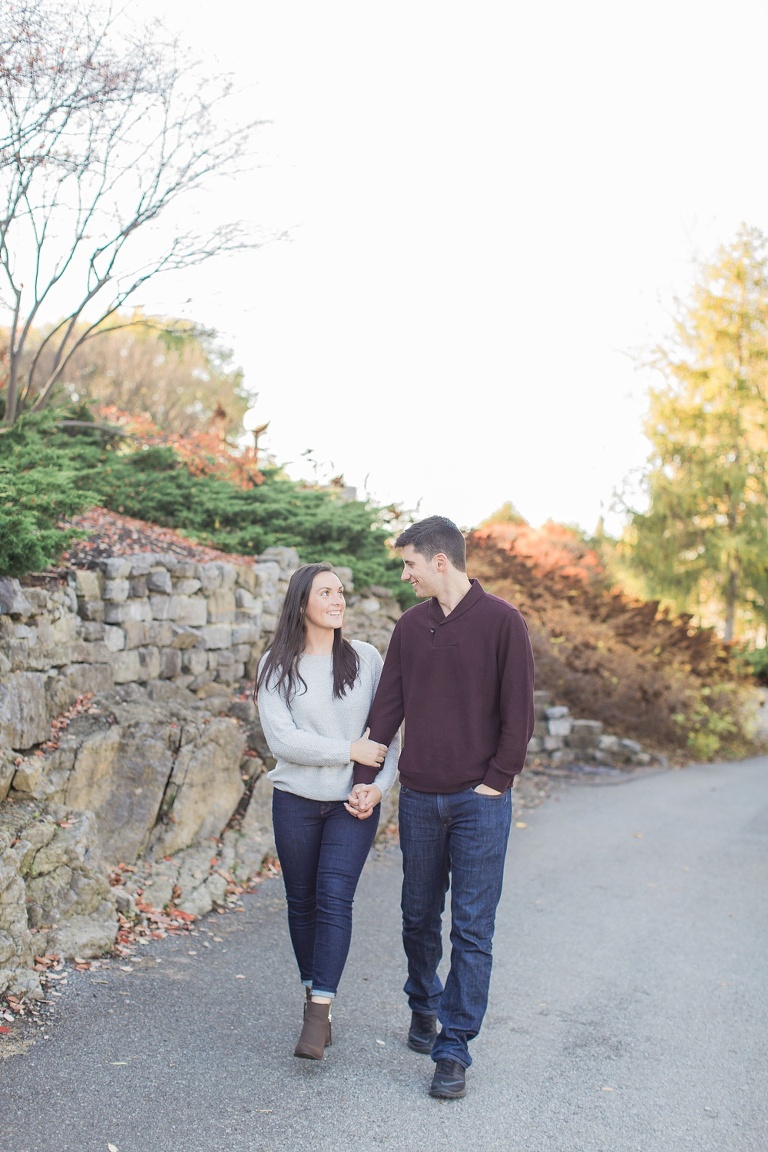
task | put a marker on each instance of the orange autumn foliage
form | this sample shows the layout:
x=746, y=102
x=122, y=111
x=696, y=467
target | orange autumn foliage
x=207, y=452
x=605, y=655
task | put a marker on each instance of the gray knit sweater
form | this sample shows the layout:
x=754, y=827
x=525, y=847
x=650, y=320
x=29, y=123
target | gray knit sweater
x=311, y=737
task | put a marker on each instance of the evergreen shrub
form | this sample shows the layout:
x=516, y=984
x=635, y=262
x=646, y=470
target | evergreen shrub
x=39, y=486
x=48, y=473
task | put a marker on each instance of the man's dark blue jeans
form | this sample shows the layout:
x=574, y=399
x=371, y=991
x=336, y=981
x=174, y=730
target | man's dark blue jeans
x=461, y=839
x=322, y=850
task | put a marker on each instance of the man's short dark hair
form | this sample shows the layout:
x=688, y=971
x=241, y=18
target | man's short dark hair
x=433, y=535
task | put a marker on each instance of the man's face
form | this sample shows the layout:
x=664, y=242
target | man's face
x=420, y=573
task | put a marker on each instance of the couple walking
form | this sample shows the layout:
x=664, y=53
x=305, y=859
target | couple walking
x=459, y=674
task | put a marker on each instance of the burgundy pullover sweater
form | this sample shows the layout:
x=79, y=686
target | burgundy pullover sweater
x=463, y=684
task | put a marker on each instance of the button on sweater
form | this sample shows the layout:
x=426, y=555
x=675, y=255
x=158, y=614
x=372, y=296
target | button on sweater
x=463, y=684
x=310, y=738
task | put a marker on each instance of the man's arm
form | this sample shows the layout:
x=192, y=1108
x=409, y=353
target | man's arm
x=387, y=709
x=516, y=703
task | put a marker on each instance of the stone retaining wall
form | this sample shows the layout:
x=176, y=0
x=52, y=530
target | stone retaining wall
x=558, y=739
x=128, y=737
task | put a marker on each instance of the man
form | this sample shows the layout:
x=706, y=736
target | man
x=459, y=672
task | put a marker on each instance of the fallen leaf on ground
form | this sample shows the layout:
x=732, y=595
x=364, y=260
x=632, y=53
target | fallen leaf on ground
x=49, y=959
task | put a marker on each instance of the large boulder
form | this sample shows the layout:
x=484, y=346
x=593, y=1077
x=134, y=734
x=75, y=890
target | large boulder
x=253, y=838
x=54, y=893
x=158, y=767
x=204, y=787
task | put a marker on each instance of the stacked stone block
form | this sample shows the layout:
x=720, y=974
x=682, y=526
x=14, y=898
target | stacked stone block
x=559, y=740
x=162, y=618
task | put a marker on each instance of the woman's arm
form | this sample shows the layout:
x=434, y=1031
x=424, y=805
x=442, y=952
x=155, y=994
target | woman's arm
x=292, y=743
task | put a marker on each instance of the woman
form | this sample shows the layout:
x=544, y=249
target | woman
x=314, y=692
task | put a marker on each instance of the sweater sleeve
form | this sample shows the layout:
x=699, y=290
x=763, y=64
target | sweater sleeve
x=387, y=711
x=289, y=742
x=388, y=770
x=516, y=701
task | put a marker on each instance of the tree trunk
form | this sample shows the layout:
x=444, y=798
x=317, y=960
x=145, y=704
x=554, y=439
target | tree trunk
x=12, y=392
x=731, y=596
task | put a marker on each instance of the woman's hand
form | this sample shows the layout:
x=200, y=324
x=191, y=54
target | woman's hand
x=362, y=800
x=367, y=752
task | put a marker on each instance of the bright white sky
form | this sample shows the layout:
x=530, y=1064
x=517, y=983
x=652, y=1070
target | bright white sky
x=491, y=207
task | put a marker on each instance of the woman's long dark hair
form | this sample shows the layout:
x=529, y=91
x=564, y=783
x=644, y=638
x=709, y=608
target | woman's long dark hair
x=280, y=666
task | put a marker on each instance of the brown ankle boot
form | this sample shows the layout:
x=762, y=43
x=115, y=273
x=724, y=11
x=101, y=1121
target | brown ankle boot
x=316, y=1033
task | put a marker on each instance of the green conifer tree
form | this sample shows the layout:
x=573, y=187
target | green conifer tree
x=703, y=540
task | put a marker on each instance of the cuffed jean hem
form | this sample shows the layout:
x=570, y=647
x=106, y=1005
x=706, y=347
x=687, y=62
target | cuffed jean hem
x=317, y=991
x=460, y=1055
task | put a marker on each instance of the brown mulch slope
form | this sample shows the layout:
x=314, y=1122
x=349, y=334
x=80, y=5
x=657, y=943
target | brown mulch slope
x=110, y=534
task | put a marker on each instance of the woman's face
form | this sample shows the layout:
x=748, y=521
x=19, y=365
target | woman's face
x=325, y=606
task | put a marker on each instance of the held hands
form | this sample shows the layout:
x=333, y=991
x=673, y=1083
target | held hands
x=362, y=800
x=368, y=752
x=364, y=797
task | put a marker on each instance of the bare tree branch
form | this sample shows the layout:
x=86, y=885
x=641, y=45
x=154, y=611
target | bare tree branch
x=104, y=129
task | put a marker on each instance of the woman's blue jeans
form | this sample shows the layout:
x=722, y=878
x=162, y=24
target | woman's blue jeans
x=461, y=839
x=322, y=850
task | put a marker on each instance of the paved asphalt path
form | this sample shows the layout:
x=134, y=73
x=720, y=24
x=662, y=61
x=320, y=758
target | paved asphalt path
x=628, y=1013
